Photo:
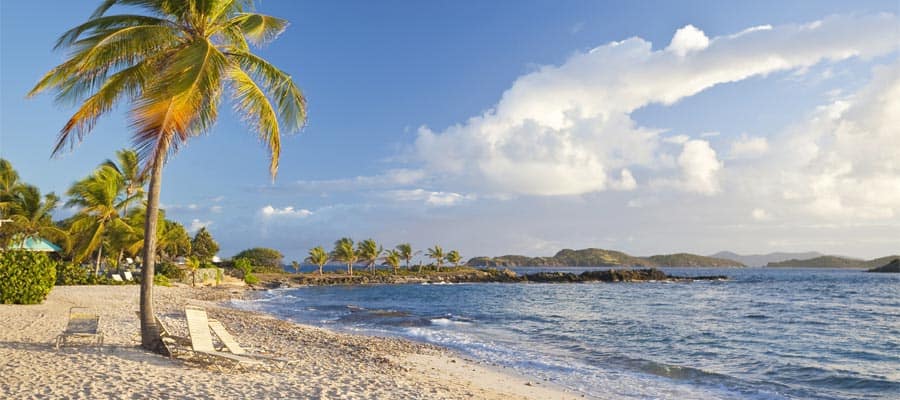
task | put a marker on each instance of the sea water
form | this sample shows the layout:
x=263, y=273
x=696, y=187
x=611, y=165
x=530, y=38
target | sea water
x=763, y=334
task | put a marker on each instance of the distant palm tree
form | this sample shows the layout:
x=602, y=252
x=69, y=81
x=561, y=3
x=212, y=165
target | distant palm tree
x=173, y=239
x=369, y=251
x=345, y=253
x=436, y=253
x=296, y=266
x=454, y=258
x=31, y=214
x=406, y=252
x=318, y=257
x=392, y=258
x=128, y=167
x=99, y=202
x=193, y=263
x=172, y=65
x=9, y=184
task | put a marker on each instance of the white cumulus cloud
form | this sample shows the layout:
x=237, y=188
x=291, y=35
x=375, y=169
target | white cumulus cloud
x=749, y=147
x=269, y=211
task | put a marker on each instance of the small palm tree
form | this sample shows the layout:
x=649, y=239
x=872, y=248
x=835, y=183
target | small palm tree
x=193, y=264
x=406, y=252
x=369, y=251
x=345, y=253
x=436, y=253
x=128, y=167
x=99, y=201
x=318, y=257
x=392, y=258
x=454, y=258
x=31, y=214
x=172, y=65
x=296, y=266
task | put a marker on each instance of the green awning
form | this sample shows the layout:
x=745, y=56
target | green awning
x=36, y=244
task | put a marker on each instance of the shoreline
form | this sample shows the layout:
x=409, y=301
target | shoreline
x=329, y=364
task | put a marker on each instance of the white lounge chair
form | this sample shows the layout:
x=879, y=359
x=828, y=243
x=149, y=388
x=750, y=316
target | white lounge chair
x=116, y=277
x=201, y=340
x=235, y=348
x=128, y=276
x=82, y=324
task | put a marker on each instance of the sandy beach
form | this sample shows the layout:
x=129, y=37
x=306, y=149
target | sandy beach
x=328, y=365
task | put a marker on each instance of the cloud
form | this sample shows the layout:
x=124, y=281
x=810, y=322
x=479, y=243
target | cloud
x=429, y=198
x=567, y=129
x=688, y=39
x=699, y=169
x=748, y=147
x=196, y=224
x=391, y=178
x=269, y=211
x=760, y=214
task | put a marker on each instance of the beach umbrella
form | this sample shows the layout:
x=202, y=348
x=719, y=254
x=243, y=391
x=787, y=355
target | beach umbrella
x=36, y=244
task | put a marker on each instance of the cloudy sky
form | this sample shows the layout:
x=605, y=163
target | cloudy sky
x=526, y=127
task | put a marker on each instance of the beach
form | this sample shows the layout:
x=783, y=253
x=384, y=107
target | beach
x=328, y=365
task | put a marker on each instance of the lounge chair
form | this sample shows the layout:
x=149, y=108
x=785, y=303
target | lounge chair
x=201, y=340
x=116, y=277
x=174, y=343
x=235, y=348
x=128, y=276
x=82, y=324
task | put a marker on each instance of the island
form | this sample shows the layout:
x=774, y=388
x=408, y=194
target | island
x=593, y=257
x=892, y=267
x=833, y=262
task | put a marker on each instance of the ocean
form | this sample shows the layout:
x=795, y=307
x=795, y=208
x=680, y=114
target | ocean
x=763, y=334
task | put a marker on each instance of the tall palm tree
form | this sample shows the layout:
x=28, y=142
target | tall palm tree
x=436, y=253
x=173, y=239
x=318, y=257
x=9, y=184
x=345, y=253
x=171, y=65
x=392, y=258
x=454, y=258
x=369, y=251
x=406, y=252
x=99, y=200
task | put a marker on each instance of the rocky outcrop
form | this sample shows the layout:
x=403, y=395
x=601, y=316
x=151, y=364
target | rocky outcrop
x=893, y=267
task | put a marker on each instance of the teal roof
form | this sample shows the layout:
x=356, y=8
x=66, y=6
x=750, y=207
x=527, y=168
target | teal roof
x=36, y=244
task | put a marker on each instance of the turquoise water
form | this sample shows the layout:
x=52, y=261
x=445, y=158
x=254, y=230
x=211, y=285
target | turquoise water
x=765, y=334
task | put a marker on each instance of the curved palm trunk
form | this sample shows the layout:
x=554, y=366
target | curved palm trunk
x=150, y=338
x=350, y=269
x=320, y=268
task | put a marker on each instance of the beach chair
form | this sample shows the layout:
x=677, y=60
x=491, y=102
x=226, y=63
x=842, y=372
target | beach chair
x=235, y=348
x=82, y=324
x=174, y=344
x=116, y=277
x=128, y=276
x=201, y=340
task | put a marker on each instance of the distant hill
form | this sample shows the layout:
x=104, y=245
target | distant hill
x=602, y=258
x=761, y=260
x=833, y=262
x=892, y=267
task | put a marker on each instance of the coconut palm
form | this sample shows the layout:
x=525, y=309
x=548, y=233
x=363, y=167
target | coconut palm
x=193, y=263
x=392, y=258
x=99, y=201
x=171, y=65
x=318, y=257
x=454, y=258
x=296, y=266
x=31, y=214
x=173, y=239
x=406, y=252
x=369, y=251
x=436, y=253
x=345, y=253
x=128, y=167
x=9, y=184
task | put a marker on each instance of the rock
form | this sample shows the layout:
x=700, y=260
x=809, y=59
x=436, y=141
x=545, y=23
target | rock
x=893, y=267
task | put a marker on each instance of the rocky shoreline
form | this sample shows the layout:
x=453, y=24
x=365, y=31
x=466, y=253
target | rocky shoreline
x=469, y=275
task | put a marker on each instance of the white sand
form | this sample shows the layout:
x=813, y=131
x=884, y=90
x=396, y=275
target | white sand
x=329, y=365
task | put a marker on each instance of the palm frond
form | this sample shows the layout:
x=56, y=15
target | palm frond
x=288, y=97
x=253, y=104
x=259, y=28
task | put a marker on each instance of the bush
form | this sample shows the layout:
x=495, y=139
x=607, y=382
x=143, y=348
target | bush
x=243, y=265
x=161, y=280
x=263, y=259
x=170, y=271
x=25, y=277
x=71, y=274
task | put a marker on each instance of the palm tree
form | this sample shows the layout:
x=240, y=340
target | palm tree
x=318, y=257
x=369, y=251
x=344, y=252
x=406, y=252
x=193, y=263
x=392, y=258
x=173, y=240
x=454, y=258
x=129, y=169
x=171, y=65
x=296, y=266
x=98, y=197
x=9, y=184
x=437, y=254
x=31, y=214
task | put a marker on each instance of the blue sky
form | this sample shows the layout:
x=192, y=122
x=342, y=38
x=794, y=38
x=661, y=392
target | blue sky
x=387, y=82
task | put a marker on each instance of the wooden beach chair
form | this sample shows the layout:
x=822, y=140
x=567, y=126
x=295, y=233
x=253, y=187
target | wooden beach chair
x=235, y=348
x=116, y=277
x=174, y=344
x=201, y=340
x=82, y=324
x=128, y=276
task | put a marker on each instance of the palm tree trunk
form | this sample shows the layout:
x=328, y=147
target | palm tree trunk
x=150, y=338
x=320, y=269
x=99, y=254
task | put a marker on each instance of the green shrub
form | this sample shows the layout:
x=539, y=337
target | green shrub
x=161, y=280
x=71, y=274
x=25, y=277
x=170, y=271
x=251, y=279
x=263, y=259
x=219, y=276
x=243, y=265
